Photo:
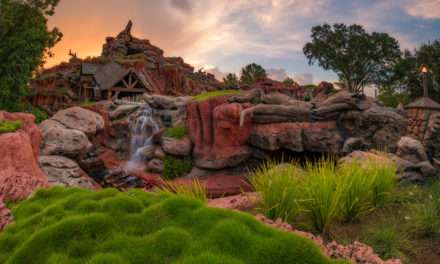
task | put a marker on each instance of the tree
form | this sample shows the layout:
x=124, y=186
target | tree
x=231, y=80
x=251, y=73
x=289, y=81
x=405, y=81
x=356, y=56
x=25, y=41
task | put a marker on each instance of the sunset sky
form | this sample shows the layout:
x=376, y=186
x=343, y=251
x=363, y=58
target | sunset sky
x=226, y=35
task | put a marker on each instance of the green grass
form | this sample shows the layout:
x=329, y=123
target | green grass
x=87, y=102
x=195, y=190
x=388, y=241
x=7, y=126
x=208, y=95
x=324, y=193
x=177, y=132
x=81, y=226
x=280, y=188
x=424, y=218
x=174, y=167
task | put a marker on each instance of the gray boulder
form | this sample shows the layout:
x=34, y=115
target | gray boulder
x=411, y=149
x=65, y=172
x=123, y=111
x=80, y=119
x=59, y=140
x=177, y=147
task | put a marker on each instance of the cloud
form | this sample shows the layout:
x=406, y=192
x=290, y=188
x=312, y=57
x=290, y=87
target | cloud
x=429, y=9
x=277, y=74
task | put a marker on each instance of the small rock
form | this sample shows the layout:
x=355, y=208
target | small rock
x=177, y=147
x=155, y=165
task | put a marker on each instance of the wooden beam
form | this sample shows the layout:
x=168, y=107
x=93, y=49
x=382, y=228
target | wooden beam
x=125, y=83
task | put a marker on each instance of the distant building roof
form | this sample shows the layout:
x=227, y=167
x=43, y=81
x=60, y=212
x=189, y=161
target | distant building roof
x=108, y=75
x=424, y=102
x=88, y=68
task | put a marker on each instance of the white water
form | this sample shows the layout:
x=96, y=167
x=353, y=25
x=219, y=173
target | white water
x=142, y=128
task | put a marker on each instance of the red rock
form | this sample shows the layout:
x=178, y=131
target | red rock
x=28, y=126
x=20, y=174
x=219, y=140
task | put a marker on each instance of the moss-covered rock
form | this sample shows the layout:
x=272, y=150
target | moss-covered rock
x=7, y=126
x=80, y=226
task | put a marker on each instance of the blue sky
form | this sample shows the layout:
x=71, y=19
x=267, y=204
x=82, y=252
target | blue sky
x=225, y=35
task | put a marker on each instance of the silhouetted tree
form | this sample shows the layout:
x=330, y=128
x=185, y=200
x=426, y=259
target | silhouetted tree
x=231, y=80
x=289, y=81
x=356, y=56
x=251, y=73
x=25, y=40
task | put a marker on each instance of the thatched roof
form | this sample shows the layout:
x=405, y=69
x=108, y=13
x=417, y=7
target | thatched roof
x=424, y=103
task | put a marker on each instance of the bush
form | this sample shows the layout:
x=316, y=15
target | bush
x=58, y=225
x=363, y=187
x=177, y=132
x=279, y=187
x=325, y=192
x=321, y=196
x=40, y=115
x=7, y=126
x=209, y=95
x=173, y=167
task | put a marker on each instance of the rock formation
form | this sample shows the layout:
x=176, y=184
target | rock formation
x=20, y=174
x=71, y=83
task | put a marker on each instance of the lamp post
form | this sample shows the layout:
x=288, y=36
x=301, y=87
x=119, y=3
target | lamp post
x=424, y=69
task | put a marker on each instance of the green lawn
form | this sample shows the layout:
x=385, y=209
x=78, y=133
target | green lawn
x=208, y=95
x=80, y=226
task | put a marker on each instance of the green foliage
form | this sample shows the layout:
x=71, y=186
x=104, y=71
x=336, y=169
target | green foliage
x=251, y=73
x=424, y=218
x=321, y=195
x=21, y=23
x=406, y=77
x=388, y=241
x=306, y=98
x=40, y=115
x=177, y=132
x=7, y=126
x=326, y=193
x=391, y=98
x=231, y=80
x=209, y=95
x=363, y=187
x=195, y=190
x=280, y=190
x=289, y=81
x=356, y=56
x=87, y=102
x=173, y=167
x=80, y=226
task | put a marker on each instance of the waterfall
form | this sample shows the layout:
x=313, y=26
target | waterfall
x=142, y=128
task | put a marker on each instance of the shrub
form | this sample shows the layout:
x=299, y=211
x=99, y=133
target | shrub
x=143, y=227
x=177, y=132
x=363, y=187
x=209, y=95
x=173, y=167
x=196, y=190
x=7, y=126
x=325, y=192
x=279, y=187
x=321, y=195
